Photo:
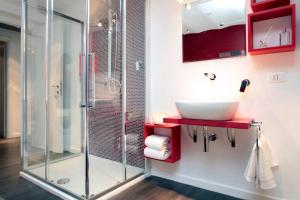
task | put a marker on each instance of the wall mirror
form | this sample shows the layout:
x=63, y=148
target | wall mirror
x=213, y=29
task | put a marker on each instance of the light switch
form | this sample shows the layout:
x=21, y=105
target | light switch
x=277, y=77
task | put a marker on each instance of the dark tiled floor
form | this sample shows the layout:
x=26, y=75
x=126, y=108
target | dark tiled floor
x=155, y=188
x=12, y=186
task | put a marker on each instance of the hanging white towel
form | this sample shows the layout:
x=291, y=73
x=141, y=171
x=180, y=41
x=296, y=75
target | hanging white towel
x=268, y=150
x=156, y=154
x=260, y=169
x=250, y=172
x=157, y=142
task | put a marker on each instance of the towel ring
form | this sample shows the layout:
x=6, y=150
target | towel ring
x=258, y=126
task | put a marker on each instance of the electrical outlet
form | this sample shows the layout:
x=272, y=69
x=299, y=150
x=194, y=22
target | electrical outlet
x=277, y=77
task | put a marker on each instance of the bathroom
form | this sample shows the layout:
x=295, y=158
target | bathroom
x=98, y=78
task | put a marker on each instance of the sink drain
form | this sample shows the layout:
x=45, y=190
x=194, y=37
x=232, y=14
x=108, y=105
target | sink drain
x=63, y=181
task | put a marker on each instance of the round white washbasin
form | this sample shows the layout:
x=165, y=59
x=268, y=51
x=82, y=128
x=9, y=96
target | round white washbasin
x=207, y=110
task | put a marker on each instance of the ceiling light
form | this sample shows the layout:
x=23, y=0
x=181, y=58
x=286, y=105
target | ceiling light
x=180, y=1
x=188, y=6
x=100, y=24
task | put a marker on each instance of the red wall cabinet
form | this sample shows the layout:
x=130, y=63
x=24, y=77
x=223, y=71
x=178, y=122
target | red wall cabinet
x=267, y=4
x=275, y=14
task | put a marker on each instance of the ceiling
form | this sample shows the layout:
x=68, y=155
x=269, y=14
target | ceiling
x=212, y=14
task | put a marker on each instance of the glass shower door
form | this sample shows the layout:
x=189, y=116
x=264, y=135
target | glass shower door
x=115, y=128
x=34, y=147
x=54, y=93
x=105, y=146
x=66, y=86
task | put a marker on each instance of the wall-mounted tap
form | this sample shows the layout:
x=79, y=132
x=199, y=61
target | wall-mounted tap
x=244, y=84
x=210, y=76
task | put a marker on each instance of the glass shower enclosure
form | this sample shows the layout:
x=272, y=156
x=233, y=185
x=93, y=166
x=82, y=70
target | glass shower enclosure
x=83, y=99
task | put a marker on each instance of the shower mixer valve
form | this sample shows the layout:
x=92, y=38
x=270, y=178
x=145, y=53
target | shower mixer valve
x=138, y=65
x=58, y=90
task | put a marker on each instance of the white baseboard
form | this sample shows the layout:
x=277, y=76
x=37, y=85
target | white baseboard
x=14, y=135
x=216, y=187
x=74, y=150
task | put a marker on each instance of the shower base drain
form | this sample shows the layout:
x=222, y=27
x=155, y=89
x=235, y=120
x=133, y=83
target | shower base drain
x=63, y=181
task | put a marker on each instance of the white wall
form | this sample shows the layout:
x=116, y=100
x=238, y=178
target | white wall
x=13, y=81
x=276, y=105
x=10, y=14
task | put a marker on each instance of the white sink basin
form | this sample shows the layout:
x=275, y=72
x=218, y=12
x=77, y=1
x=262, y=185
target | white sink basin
x=207, y=110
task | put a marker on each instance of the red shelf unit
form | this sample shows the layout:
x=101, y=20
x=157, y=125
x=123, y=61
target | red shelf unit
x=238, y=123
x=174, y=139
x=268, y=4
x=289, y=10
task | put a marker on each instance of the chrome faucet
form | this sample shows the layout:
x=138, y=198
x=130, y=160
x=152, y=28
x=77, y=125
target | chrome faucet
x=210, y=76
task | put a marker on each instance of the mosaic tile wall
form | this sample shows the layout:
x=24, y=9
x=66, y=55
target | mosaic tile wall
x=105, y=120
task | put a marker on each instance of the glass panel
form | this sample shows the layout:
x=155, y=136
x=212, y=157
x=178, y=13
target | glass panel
x=66, y=117
x=34, y=159
x=105, y=118
x=135, y=87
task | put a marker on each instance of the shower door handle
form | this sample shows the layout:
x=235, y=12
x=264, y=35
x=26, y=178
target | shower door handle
x=92, y=80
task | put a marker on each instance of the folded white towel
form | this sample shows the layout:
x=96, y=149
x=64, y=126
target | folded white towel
x=157, y=142
x=156, y=154
x=261, y=171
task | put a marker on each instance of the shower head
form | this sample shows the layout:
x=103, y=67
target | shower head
x=103, y=24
